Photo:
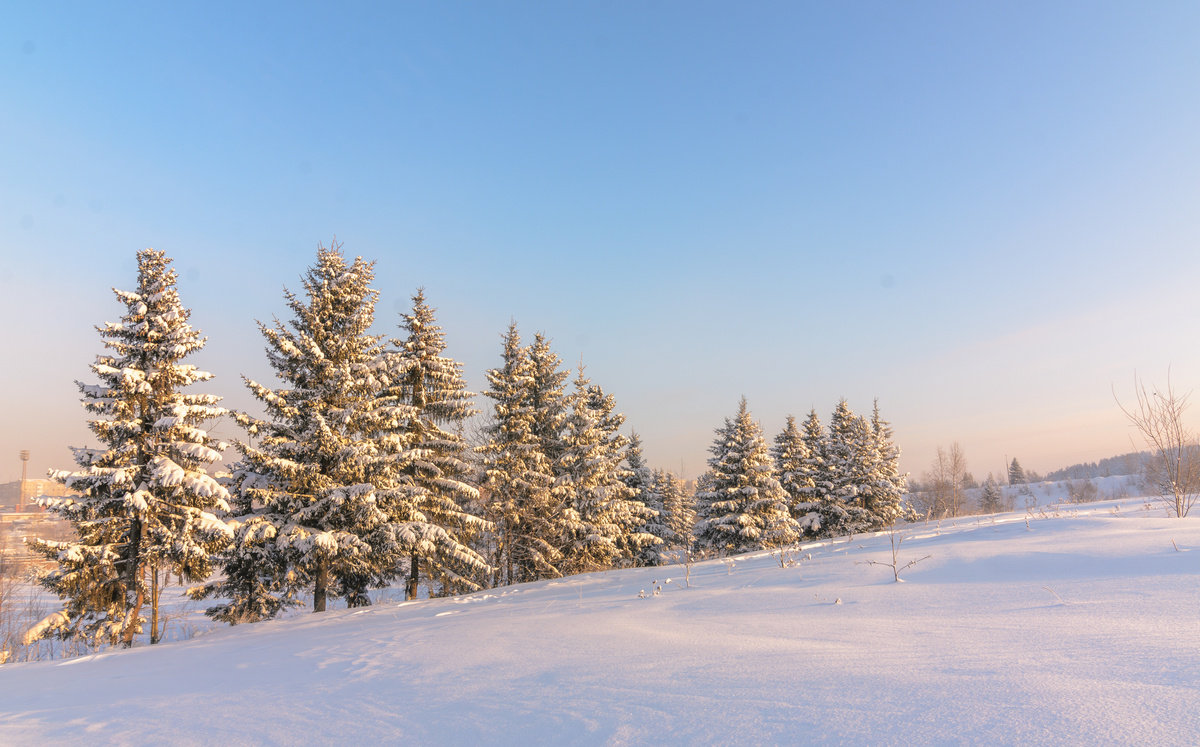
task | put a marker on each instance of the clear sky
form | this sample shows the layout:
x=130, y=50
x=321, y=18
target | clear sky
x=985, y=215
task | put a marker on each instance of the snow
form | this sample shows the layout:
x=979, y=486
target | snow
x=1078, y=629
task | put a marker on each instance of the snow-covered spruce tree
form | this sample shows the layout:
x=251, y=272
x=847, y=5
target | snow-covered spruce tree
x=602, y=512
x=424, y=486
x=850, y=464
x=680, y=508
x=548, y=397
x=819, y=493
x=794, y=469
x=743, y=507
x=145, y=502
x=1016, y=473
x=641, y=480
x=991, y=500
x=520, y=498
x=305, y=511
x=883, y=494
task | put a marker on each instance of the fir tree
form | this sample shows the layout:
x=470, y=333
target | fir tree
x=644, y=484
x=991, y=499
x=548, y=398
x=743, y=507
x=794, y=469
x=884, y=490
x=815, y=467
x=602, y=512
x=680, y=508
x=521, y=503
x=306, y=510
x=1016, y=474
x=850, y=463
x=424, y=486
x=144, y=501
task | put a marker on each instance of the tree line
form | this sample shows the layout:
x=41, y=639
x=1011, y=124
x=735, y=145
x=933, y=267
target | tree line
x=358, y=473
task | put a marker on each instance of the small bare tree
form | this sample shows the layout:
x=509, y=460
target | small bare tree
x=897, y=539
x=1174, y=469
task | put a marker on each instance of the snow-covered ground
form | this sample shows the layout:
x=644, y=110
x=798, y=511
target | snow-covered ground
x=1083, y=628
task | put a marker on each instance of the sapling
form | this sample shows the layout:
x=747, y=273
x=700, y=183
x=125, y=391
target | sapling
x=897, y=539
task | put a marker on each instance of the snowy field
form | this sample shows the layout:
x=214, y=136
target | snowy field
x=1082, y=628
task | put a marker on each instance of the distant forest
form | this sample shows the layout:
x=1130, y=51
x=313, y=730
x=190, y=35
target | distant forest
x=1132, y=463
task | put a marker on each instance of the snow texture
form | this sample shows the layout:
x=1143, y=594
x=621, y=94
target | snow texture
x=1078, y=629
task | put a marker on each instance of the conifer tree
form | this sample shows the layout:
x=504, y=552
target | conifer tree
x=796, y=475
x=521, y=502
x=1016, y=474
x=850, y=462
x=424, y=483
x=680, y=508
x=305, y=507
x=991, y=499
x=643, y=482
x=817, y=469
x=144, y=502
x=548, y=398
x=743, y=507
x=602, y=513
x=884, y=492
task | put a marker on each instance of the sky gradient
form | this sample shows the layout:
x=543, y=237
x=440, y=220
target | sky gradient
x=984, y=216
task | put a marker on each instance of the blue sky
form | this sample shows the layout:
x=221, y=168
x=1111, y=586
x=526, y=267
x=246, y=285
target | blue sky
x=984, y=215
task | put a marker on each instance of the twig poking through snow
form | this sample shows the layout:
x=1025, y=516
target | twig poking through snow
x=1055, y=593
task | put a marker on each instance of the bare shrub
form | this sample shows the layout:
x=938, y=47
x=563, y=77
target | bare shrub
x=1174, y=468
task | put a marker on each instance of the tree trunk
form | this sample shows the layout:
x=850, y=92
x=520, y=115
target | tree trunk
x=321, y=586
x=414, y=572
x=133, y=581
x=154, y=592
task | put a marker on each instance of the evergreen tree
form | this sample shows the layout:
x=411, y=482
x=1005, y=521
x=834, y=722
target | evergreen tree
x=815, y=467
x=548, y=397
x=743, y=507
x=850, y=464
x=794, y=469
x=1016, y=475
x=425, y=485
x=306, y=509
x=145, y=502
x=602, y=512
x=679, y=506
x=884, y=491
x=521, y=501
x=991, y=499
x=644, y=484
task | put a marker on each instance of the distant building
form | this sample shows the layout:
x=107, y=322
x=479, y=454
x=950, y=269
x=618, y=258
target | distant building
x=14, y=498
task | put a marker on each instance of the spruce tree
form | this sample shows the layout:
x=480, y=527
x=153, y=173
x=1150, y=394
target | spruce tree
x=816, y=468
x=602, y=513
x=850, y=464
x=883, y=489
x=1016, y=474
x=144, y=502
x=547, y=397
x=425, y=486
x=306, y=509
x=794, y=470
x=991, y=499
x=679, y=505
x=521, y=501
x=643, y=482
x=743, y=506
